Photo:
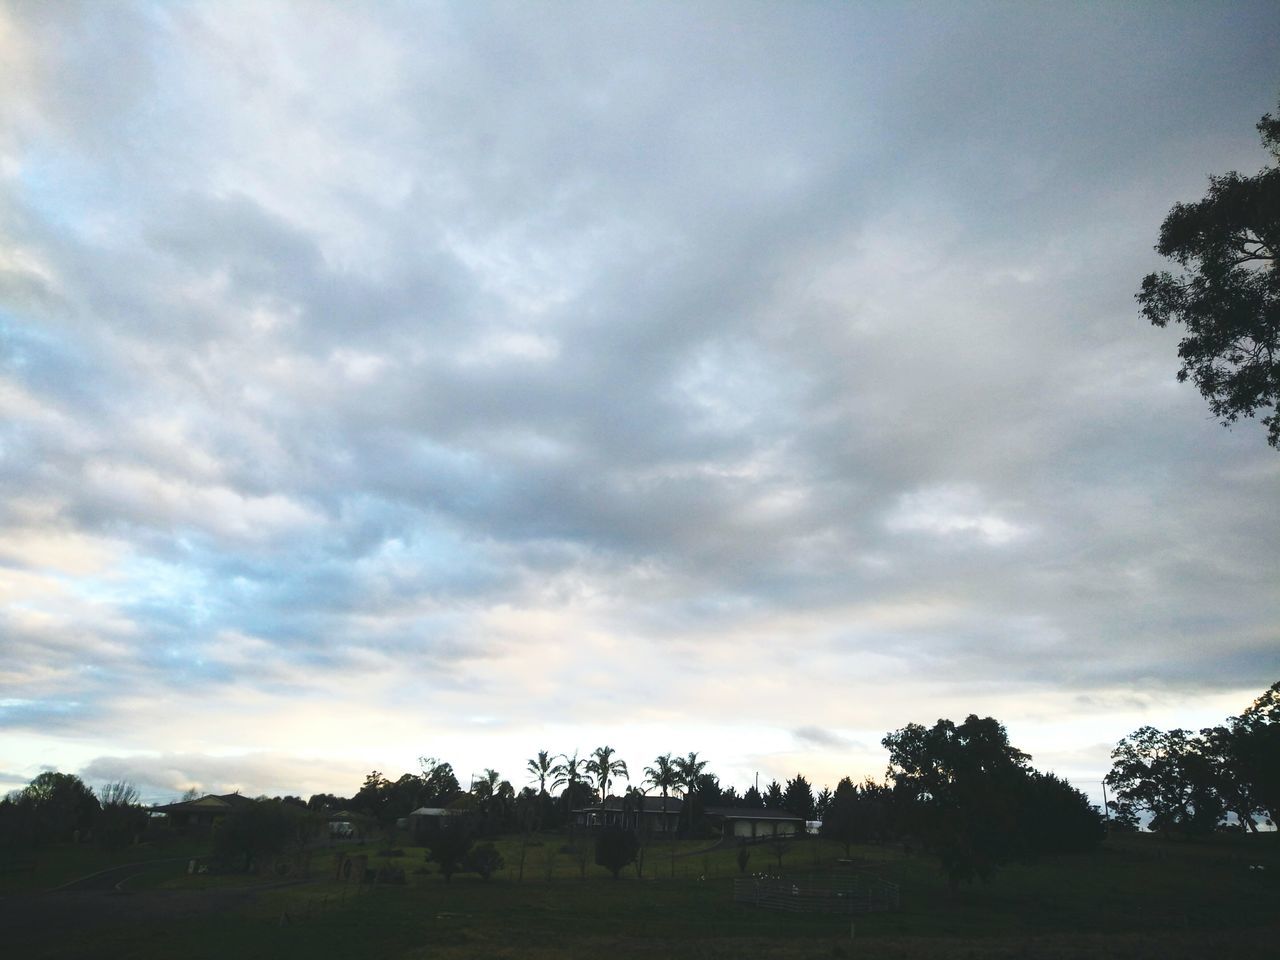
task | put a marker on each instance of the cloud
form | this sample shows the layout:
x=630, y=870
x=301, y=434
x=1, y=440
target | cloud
x=628, y=363
x=818, y=737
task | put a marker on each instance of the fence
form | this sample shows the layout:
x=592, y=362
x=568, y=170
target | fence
x=848, y=894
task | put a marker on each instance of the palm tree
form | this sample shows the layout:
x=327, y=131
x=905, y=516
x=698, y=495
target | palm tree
x=664, y=776
x=568, y=773
x=688, y=770
x=541, y=768
x=602, y=766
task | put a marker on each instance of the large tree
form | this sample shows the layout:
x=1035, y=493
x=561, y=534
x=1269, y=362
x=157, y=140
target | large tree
x=963, y=784
x=1228, y=294
x=689, y=769
x=1256, y=750
x=540, y=768
x=604, y=768
x=1169, y=774
x=797, y=798
x=663, y=775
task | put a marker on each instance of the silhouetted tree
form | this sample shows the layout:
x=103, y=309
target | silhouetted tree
x=569, y=773
x=840, y=820
x=615, y=848
x=798, y=798
x=821, y=802
x=439, y=783
x=663, y=775
x=773, y=795
x=963, y=784
x=449, y=846
x=261, y=829
x=122, y=818
x=483, y=859
x=604, y=768
x=1168, y=774
x=689, y=770
x=1054, y=817
x=540, y=768
x=1228, y=295
x=1255, y=751
x=63, y=807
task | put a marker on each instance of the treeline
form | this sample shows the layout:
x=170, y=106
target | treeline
x=1188, y=784
x=57, y=807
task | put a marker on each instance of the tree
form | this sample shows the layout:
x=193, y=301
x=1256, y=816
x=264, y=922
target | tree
x=540, y=768
x=1228, y=296
x=122, y=817
x=483, y=859
x=664, y=776
x=569, y=773
x=64, y=807
x=449, y=846
x=1255, y=746
x=615, y=848
x=1168, y=774
x=821, y=802
x=439, y=783
x=962, y=784
x=840, y=820
x=1054, y=817
x=261, y=829
x=798, y=798
x=604, y=767
x=773, y=795
x=689, y=770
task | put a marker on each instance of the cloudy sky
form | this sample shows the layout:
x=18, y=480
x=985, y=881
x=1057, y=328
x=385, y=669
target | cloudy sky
x=390, y=379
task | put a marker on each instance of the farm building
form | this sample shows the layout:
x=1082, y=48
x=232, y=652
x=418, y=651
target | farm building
x=646, y=816
x=750, y=823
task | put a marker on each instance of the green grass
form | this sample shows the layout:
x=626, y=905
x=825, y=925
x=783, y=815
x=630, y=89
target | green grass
x=1138, y=896
x=51, y=867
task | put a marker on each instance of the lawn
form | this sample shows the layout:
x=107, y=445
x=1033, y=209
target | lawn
x=1138, y=896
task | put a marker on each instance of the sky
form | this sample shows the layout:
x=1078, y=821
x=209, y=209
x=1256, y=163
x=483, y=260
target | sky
x=381, y=380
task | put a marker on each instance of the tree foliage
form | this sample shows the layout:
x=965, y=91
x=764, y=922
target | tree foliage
x=483, y=859
x=1228, y=294
x=797, y=798
x=261, y=829
x=449, y=847
x=1168, y=774
x=615, y=848
x=974, y=800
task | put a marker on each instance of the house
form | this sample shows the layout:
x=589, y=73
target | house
x=425, y=822
x=203, y=813
x=641, y=814
x=748, y=823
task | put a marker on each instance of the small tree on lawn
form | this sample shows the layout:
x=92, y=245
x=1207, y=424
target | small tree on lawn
x=615, y=848
x=779, y=845
x=483, y=859
x=744, y=857
x=449, y=847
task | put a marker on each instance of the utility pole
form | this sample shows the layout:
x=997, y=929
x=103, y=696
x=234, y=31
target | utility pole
x=1106, y=806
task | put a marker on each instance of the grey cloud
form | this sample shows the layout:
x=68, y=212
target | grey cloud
x=827, y=739
x=638, y=307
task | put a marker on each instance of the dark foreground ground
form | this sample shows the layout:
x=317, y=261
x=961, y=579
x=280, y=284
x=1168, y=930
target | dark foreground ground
x=1139, y=897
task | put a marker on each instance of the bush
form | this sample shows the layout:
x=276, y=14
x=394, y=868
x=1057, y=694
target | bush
x=615, y=848
x=483, y=859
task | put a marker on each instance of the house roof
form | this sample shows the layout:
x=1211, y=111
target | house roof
x=431, y=812
x=210, y=803
x=648, y=805
x=751, y=813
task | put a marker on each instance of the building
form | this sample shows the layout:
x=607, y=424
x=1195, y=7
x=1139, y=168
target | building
x=645, y=816
x=754, y=823
x=203, y=813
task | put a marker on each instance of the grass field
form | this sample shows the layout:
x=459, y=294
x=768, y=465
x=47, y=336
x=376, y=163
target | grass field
x=1138, y=896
